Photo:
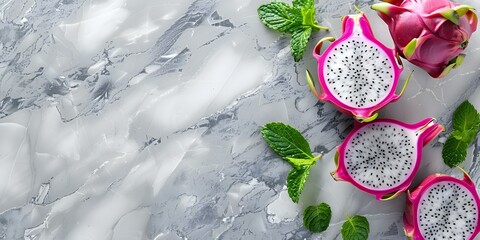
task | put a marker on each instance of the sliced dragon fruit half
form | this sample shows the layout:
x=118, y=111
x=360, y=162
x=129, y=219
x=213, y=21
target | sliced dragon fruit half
x=383, y=156
x=443, y=207
x=357, y=73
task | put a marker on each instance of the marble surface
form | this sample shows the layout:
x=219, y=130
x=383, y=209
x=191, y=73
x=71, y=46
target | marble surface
x=139, y=119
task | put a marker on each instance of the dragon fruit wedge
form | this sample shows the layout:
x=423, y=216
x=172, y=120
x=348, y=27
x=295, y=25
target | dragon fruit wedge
x=429, y=33
x=357, y=73
x=382, y=157
x=443, y=207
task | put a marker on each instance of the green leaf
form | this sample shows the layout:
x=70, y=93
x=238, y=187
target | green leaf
x=457, y=134
x=289, y=143
x=454, y=151
x=466, y=136
x=296, y=162
x=303, y=3
x=469, y=135
x=308, y=15
x=298, y=20
x=296, y=180
x=299, y=41
x=286, y=141
x=466, y=122
x=280, y=16
x=355, y=228
x=317, y=218
x=465, y=117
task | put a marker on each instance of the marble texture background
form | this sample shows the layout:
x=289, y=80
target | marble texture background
x=139, y=119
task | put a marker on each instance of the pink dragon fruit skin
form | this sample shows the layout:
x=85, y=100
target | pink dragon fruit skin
x=424, y=131
x=356, y=26
x=431, y=34
x=410, y=218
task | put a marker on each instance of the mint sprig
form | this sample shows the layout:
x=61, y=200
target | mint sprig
x=303, y=3
x=289, y=144
x=454, y=151
x=355, y=228
x=286, y=141
x=465, y=117
x=280, y=16
x=296, y=180
x=317, y=218
x=466, y=123
x=298, y=20
x=299, y=41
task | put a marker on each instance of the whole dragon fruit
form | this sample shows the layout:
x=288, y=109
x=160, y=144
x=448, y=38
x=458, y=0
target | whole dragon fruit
x=383, y=156
x=431, y=34
x=357, y=73
x=443, y=207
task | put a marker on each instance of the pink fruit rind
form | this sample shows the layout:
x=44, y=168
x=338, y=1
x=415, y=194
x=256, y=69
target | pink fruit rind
x=426, y=130
x=348, y=24
x=413, y=200
x=440, y=39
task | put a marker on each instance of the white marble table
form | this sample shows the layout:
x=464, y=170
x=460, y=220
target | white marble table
x=139, y=119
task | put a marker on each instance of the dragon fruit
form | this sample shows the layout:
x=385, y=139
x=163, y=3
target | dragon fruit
x=443, y=207
x=431, y=34
x=382, y=157
x=357, y=73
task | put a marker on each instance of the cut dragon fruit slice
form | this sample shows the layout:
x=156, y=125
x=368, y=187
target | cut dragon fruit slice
x=443, y=207
x=357, y=73
x=382, y=157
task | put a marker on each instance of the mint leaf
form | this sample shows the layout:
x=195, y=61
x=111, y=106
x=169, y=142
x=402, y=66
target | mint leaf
x=289, y=143
x=466, y=123
x=303, y=3
x=280, y=16
x=308, y=15
x=355, y=228
x=317, y=218
x=466, y=136
x=286, y=141
x=465, y=117
x=454, y=151
x=298, y=20
x=296, y=180
x=296, y=162
x=299, y=41
x=457, y=135
x=469, y=135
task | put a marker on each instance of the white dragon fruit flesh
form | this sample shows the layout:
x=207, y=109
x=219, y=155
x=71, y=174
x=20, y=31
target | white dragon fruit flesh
x=443, y=207
x=357, y=73
x=383, y=156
